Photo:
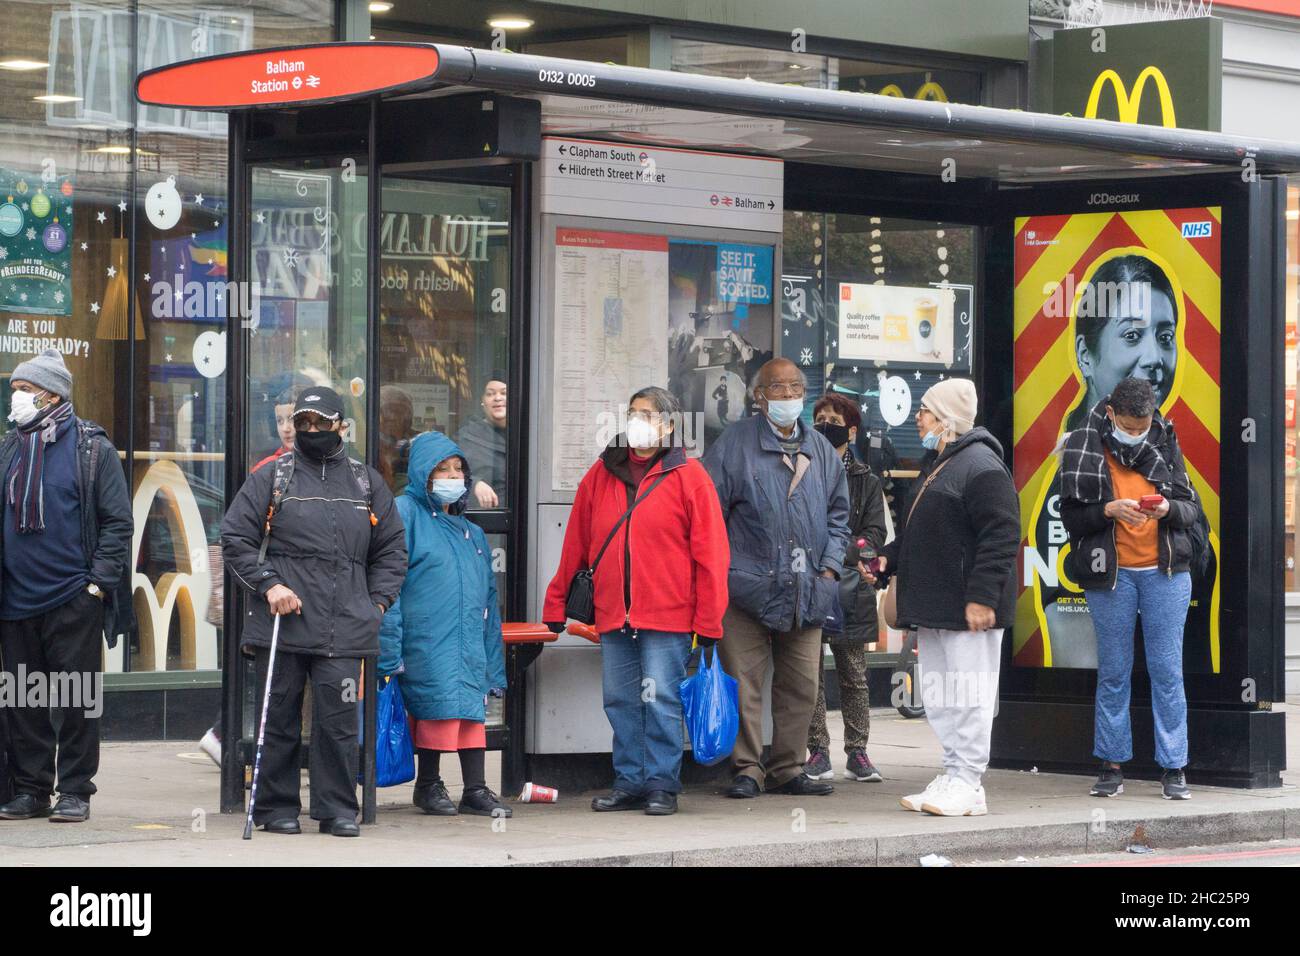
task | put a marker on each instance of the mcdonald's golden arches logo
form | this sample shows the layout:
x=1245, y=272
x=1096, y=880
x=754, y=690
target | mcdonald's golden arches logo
x=1128, y=103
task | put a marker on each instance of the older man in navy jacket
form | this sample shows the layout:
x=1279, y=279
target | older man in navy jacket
x=785, y=499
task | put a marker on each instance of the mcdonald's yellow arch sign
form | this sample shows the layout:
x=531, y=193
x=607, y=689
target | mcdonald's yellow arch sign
x=1130, y=103
x=1162, y=73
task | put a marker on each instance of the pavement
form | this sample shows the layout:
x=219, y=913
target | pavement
x=157, y=805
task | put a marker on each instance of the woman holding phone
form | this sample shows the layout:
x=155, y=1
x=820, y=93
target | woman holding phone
x=1131, y=511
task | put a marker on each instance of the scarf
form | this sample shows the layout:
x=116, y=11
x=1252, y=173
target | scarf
x=26, y=491
x=1085, y=476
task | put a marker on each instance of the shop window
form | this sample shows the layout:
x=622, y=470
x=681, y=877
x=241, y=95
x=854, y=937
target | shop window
x=907, y=81
x=183, y=305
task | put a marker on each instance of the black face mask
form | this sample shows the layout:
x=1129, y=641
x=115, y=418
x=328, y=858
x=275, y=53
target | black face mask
x=318, y=445
x=837, y=435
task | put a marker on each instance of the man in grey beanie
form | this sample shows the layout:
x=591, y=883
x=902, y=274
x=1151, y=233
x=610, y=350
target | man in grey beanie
x=64, y=584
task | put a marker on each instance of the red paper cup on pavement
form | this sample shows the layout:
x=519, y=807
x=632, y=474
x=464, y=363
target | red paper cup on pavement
x=536, y=793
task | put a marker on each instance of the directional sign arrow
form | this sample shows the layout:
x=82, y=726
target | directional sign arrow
x=561, y=167
x=770, y=204
x=561, y=149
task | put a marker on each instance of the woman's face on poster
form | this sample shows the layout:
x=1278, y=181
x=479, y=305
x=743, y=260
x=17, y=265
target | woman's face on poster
x=1133, y=343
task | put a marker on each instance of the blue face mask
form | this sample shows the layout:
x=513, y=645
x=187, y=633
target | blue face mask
x=447, y=491
x=1124, y=438
x=785, y=412
x=931, y=441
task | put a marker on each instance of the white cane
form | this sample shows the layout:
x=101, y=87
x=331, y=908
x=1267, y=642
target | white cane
x=261, y=732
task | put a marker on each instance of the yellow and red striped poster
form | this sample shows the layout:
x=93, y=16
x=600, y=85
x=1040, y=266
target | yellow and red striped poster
x=1070, y=354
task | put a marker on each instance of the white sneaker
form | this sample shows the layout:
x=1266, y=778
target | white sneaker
x=211, y=746
x=936, y=786
x=958, y=799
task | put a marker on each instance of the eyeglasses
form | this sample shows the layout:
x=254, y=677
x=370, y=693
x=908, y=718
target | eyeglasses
x=784, y=390
x=305, y=422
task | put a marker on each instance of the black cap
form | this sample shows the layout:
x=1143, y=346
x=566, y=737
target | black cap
x=325, y=402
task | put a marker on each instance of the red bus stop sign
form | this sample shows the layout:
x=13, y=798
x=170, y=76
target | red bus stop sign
x=288, y=76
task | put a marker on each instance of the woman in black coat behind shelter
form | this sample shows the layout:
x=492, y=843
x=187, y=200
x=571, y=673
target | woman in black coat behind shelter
x=838, y=419
x=334, y=562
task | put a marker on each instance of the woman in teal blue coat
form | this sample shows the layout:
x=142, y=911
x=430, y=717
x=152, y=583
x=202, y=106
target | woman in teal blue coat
x=442, y=638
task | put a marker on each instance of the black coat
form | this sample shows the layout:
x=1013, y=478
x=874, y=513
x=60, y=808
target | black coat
x=866, y=520
x=1093, y=561
x=107, y=524
x=324, y=549
x=959, y=545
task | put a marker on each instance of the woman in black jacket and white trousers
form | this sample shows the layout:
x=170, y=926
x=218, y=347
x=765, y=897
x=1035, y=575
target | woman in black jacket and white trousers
x=955, y=558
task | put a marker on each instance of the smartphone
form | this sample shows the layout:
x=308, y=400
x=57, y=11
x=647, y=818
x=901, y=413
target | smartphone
x=1150, y=502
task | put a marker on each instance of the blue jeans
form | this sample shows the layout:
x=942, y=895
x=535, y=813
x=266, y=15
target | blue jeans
x=1162, y=601
x=642, y=677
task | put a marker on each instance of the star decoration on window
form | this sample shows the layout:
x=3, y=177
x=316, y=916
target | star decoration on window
x=146, y=277
x=261, y=218
x=94, y=307
x=918, y=376
x=84, y=247
x=100, y=217
x=112, y=272
x=121, y=207
x=198, y=199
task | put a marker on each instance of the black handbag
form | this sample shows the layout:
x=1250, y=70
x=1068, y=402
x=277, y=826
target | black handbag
x=580, y=601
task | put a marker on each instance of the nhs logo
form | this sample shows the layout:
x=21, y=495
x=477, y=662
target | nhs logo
x=1197, y=230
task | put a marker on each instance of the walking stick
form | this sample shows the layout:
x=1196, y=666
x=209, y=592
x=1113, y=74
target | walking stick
x=261, y=731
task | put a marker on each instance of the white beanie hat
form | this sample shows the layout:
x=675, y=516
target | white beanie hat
x=954, y=403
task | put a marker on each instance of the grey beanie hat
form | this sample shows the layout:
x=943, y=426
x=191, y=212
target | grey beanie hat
x=46, y=371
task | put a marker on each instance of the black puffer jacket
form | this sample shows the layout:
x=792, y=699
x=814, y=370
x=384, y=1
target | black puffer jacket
x=324, y=549
x=959, y=545
x=866, y=521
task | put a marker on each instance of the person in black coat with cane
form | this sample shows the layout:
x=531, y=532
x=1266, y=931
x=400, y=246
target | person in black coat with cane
x=330, y=560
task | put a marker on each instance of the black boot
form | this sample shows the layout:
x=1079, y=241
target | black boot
x=70, y=809
x=433, y=799
x=482, y=802
x=660, y=803
x=618, y=800
x=24, y=807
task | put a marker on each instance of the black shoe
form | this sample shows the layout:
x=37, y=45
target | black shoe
x=340, y=826
x=660, y=803
x=1174, y=785
x=482, y=802
x=70, y=809
x=801, y=785
x=1110, y=782
x=434, y=800
x=744, y=787
x=618, y=800
x=286, y=825
x=24, y=807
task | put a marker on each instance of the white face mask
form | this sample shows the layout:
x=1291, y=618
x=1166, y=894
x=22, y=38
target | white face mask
x=447, y=491
x=1123, y=437
x=22, y=407
x=641, y=434
x=784, y=412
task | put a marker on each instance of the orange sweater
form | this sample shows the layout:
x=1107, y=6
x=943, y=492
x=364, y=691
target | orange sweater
x=1137, y=547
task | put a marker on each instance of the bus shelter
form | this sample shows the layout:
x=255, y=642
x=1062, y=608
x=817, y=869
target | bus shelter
x=586, y=174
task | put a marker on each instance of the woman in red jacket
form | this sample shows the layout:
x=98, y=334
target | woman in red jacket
x=662, y=578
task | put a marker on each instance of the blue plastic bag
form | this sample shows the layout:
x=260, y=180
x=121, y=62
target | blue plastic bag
x=394, y=749
x=711, y=706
